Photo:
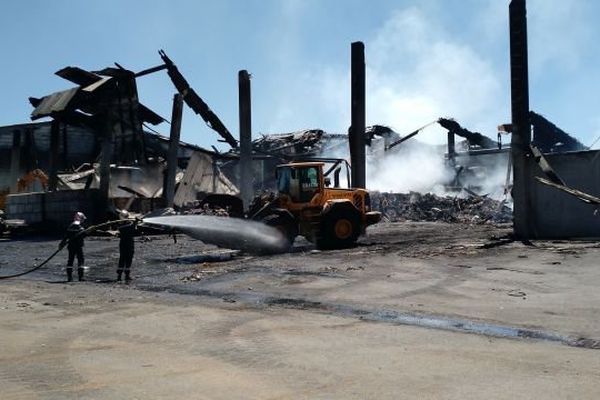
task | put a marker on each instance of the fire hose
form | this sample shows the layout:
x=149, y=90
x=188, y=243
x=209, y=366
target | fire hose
x=85, y=231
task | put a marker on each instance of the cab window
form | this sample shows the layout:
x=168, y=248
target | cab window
x=284, y=176
x=300, y=184
x=309, y=183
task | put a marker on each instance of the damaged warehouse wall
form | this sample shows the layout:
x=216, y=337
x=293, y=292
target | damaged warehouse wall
x=75, y=145
x=561, y=215
x=138, y=187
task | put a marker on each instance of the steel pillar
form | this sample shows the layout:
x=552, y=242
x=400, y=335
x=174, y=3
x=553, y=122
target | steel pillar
x=53, y=159
x=523, y=215
x=245, y=164
x=106, y=151
x=15, y=160
x=357, y=129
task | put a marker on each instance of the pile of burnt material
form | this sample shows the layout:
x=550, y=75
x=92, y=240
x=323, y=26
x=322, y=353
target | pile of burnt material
x=429, y=207
x=199, y=208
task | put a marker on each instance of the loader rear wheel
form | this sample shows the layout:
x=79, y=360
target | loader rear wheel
x=284, y=224
x=339, y=229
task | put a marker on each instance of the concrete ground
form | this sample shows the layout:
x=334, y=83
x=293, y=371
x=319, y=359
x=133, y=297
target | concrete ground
x=417, y=310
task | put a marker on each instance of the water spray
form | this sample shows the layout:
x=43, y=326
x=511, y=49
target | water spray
x=232, y=233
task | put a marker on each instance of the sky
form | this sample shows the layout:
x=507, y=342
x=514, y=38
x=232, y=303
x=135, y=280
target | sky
x=425, y=59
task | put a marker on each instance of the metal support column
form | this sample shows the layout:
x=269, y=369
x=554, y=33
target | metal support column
x=451, y=148
x=176, y=116
x=521, y=136
x=105, y=159
x=53, y=159
x=245, y=165
x=15, y=160
x=357, y=129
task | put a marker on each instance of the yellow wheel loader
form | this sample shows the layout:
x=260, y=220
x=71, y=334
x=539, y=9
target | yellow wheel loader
x=332, y=218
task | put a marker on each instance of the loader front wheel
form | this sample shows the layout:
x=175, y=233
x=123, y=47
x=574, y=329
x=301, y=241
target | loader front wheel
x=339, y=229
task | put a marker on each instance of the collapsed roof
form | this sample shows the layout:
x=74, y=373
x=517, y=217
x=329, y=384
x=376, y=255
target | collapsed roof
x=107, y=102
x=550, y=138
x=85, y=97
x=301, y=144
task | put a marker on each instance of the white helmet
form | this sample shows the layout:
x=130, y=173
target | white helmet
x=79, y=217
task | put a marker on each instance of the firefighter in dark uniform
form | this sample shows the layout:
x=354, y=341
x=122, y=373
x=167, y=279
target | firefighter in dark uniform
x=74, y=242
x=126, y=247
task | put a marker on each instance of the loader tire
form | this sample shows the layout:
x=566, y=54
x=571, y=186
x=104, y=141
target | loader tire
x=284, y=224
x=339, y=229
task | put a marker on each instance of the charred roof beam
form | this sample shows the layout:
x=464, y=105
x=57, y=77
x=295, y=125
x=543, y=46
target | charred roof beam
x=195, y=102
x=474, y=138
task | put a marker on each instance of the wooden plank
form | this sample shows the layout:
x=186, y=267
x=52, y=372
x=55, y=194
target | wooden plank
x=585, y=197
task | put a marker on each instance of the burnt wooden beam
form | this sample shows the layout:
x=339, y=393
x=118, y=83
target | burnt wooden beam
x=585, y=197
x=195, y=102
x=151, y=70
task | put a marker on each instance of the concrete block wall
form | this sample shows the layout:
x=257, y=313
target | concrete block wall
x=52, y=209
x=27, y=206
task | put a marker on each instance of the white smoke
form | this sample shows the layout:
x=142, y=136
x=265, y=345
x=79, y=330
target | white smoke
x=420, y=167
x=415, y=166
x=418, y=72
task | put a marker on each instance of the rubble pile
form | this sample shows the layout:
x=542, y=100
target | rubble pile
x=196, y=208
x=429, y=207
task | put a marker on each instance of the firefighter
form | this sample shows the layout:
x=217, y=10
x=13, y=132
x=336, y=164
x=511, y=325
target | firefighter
x=126, y=247
x=74, y=242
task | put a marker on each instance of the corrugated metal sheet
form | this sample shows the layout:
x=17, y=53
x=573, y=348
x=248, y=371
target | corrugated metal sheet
x=199, y=177
x=55, y=102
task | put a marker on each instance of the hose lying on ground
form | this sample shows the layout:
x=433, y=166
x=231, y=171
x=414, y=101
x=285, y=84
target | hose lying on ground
x=87, y=230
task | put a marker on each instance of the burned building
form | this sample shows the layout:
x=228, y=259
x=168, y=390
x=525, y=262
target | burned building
x=95, y=154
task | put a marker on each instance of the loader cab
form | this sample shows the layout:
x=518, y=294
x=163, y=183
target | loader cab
x=300, y=181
